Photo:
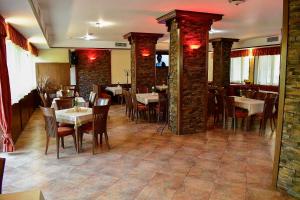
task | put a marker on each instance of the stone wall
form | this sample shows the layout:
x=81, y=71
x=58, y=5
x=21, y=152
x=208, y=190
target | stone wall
x=221, y=57
x=173, y=77
x=143, y=48
x=194, y=81
x=289, y=164
x=94, y=67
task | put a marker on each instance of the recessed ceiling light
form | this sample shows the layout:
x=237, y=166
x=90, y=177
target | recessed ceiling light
x=89, y=36
x=236, y=2
x=101, y=23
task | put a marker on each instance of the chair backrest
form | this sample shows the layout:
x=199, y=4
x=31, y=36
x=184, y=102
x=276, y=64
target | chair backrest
x=230, y=107
x=134, y=101
x=220, y=98
x=64, y=103
x=162, y=102
x=50, y=121
x=260, y=95
x=105, y=96
x=100, y=114
x=2, y=165
x=129, y=99
x=92, y=99
x=268, y=107
x=103, y=102
x=249, y=94
x=142, y=89
x=43, y=98
x=211, y=105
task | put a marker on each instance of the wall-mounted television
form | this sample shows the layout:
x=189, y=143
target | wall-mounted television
x=162, y=59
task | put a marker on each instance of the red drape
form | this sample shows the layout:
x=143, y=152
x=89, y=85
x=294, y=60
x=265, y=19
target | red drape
x=17, y=38
x=5, y=98
x=266, y=51
x=239, y=53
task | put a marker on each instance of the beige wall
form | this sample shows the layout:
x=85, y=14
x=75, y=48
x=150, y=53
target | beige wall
x=210, y=66
x=120, y=61
x=56, y=55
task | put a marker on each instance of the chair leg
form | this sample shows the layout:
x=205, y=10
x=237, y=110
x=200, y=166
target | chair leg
x=106, y=140
x=101, y=134
x=271, y=125
x=234, y=125
x=93, y=147
x=47, y=144
x=74, y=139
x=62, y=142
x=57, y=147
x=81, y=139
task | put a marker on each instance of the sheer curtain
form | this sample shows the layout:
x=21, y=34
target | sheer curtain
x=267, y=69
x=239, y=69
x=21, y=69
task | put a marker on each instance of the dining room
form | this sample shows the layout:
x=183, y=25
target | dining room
x=150, y=100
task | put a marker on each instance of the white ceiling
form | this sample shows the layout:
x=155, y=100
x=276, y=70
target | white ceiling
x=68, y=19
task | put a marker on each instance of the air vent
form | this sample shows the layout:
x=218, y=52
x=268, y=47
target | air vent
x=120, y=44
x=273, y=39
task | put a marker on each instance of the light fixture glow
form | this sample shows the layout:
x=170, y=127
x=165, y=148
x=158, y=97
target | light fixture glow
x=89, y=36
x=194, y=46
x=101, y=23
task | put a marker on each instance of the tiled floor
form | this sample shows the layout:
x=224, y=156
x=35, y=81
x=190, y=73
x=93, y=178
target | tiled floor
x=142, y=164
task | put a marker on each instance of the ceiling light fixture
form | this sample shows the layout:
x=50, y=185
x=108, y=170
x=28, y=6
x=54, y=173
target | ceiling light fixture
x=236, y=2
x=89, y=36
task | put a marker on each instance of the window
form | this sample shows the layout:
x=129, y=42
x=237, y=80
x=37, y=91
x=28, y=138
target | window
x=239, y=69
x=21, y=70
x=267, y=69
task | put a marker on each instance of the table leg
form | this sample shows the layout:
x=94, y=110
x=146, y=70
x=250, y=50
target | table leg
x=77, y=138
x=148, y=113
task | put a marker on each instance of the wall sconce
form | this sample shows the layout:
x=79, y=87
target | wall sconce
x=194, y=46
x=92, y=58
x=145, y=53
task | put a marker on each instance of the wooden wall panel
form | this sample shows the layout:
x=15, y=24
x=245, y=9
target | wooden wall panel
x=59, y=73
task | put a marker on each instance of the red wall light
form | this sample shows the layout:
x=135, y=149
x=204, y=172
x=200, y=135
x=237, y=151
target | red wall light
x=145, y=53
x=195, y=46
x=91, y=58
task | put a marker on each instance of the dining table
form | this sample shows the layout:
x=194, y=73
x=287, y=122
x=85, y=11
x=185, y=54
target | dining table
x=147, y=99
x=80, y=101
x=116, y=90
x=77, y=116
x=253, y=106
x=162, y=87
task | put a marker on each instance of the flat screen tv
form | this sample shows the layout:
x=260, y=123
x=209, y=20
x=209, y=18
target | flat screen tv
x=161, y=59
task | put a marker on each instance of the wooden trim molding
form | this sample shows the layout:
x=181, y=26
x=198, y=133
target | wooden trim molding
x=284, y=49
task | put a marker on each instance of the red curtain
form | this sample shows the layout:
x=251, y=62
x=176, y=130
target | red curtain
x=266, y=51
x=17, y=38
x=239, y=53
x=5, y=98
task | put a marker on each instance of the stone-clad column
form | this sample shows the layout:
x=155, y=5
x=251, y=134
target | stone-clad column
x=221, y=70
x=188, y=69
x=142, y=58
x=287, y=151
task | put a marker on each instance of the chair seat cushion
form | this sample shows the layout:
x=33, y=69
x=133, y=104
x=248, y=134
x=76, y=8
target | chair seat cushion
x=65, y=125
x=142, y=107
x=87, y=127
x=64, y=131
x=241, y=114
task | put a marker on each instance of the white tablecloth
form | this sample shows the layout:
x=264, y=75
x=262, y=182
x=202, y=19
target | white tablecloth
x=114, y=90
x=253, y=106
x=161, y=87
x=70, y=116
x=80, y=100
x=147, y=98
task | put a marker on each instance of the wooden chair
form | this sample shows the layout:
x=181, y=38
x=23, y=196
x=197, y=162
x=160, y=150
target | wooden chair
x=260, y=95
x=105, y=96
x=2, y=165
x=44, y=99
x=142, y=89
x=138, y=108
x=162, y=106
x=266, y=115
x=64, y=103
x=129, y=105
x=103, y=102
x=52, y=130
x=211, y=105
x=97, y=127
x=92, y=99
x=233, y=112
